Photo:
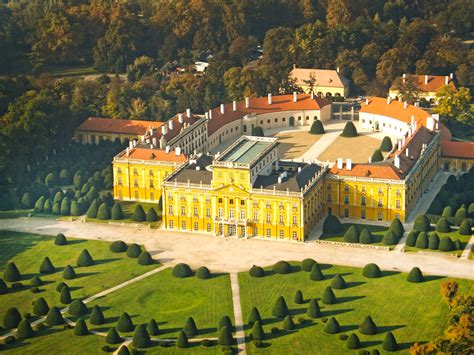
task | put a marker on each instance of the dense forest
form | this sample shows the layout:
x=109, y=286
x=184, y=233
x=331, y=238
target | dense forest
x=371, y=41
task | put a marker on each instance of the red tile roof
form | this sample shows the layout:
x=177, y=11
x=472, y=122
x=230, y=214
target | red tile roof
x=376, y=171
x=435, y=82
x=111, y=125
x=260, y=106
x=177, y=127
x=396, y=110
x=153, y=154
x=457, y=149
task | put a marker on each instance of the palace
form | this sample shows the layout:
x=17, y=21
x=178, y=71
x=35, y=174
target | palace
x=323, y=82
x=427, y=86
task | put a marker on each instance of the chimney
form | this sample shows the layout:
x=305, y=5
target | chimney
x=367, y=101
x=299, y=169
x=370, y=160
x=295, y=96
x=399, y=144
x=210, y=114
x=128, y=151
x=312, y=95
x=206, y=114
x=407, y=153
x=170, y=125
x=446, y=80
x=130, y=144
x=198, y=168
x=451, y=76
x=222, y=109
x=426, y=79
x=404, y=77
x=403, y=141
x=164, y=130
x=339, y=163
x=247, y=102
x=234, y=105
x=134, y=143
x=279, y=179
x=188, y=112
x=396, y=161
x=348, y=164
x=337, y=70
x=277, y=164
x=412, y=119
x=180, y=118
x=167, y=149
x=177, y=151
x=153, y=140
x=405, y=105
x=388, y=100
x=269, y=99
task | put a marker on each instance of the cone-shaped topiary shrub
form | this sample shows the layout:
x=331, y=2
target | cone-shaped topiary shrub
x=11, y=273
x=203, y=273
x=182, y=270
x=288, y=323
x=47, y=267
x=56, y=210
x=317, y=127
x=338, y=282
x=411, y=238
x=152, y=327
x=97, y=317
x=182, y=340
x=254, y=316
x=332, y=225
x=351, y=235
x=125, y=323
x=386, y=145
x=118, y=246
x=443, y=225
x=280, y=308
x=54, y=317
x=447, y=211
x=349, y=130
x=3, y=287
x=225, y=337
x=257, y=331
x=85, y=259
x=371, y=271
x=366, y=237
x=36, y=281
x=190, y=327
x=422, y=241
x=39, y=204
x=460, y=215
x=433, y=243
x=27, y=200
x=307, y=264
x=458, y=245
x=353, y=342
x=40, y=307
x=328, y=296
x=397, y=227
x=24, y=330
x=390, y=343
x=145, y=258
x=12, y=318
x=65, y=207
x=390, y=238
x=60, y=286
x=225, y=322
x=139, y=214
x=75, y=209
x=77, y=308
x=316, y=273
x=141, y=338
x=421, y=224
x=299, y=297
x=48, y=206
x=332, y=326
x=116, y=213
x=446, y=244
x=465, y=228
x=104, y=212
x=377, y=156
x=92, y=210
x=60, y=240
x=415, y=275
x=65, y=297
x=113, y=337
x=151, y=215
x=282, y=267
x=256, y=271
x=313, y=310
x=368, y=326
x=80, y=328
x=257, y=131
x=134, y=250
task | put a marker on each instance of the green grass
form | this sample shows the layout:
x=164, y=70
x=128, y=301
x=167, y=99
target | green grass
x=413, y=312
x=28, y=251
x=170, y=300
x=70, y=71
x=377, y=233
x=454, y=236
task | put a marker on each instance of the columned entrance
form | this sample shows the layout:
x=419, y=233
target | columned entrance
x=230, y=228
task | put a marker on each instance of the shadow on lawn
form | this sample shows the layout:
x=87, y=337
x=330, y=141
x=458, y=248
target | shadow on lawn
x=335, y=312
x=105, y=261
x=348, y=299
x=429, y=278
x=388, y=328
x=39, y=333
x=366, y=344
x=76, y=241
x=354, y=284
x=386, y=273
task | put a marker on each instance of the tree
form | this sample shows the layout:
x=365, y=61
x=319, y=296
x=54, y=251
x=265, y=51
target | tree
x=317, y=127
x=411, y=238
x=433, y=243
x=280, y=308
x=12, y=318
x=421, y=224
x=313, y=310
x=299, y=297
x=371, y=271
x=139, y=214
x=182, y=270
x=257, y=333
x=316, y=273
x=225, y=337
x=27, y=200
x=415, y=275
x=349, y=130
x=454, y=104
x=368, y=326
x=97, y=317
x=85, y=259
x=257, y=131
x=377, y=156
x=338, y=282
x=390, y=343
x=40, y=307
x=151, y=215
x=443, y=225
x=353, y=342
x=407, y=87
x=254, y=316
x=422, y=241
x=332, y=326
x=449, y=290
x=366, y=237
x=117, y=213
x=60, y=240
x=65, y=297
x=256, y=271
x=125, y=323
x=203, y=273
x=104, y=212
x=80, y=328
x=328, y=296
x=182, y=340
x=190, y=327
x=386, y=145
x=113, y=337
x=141, y=338
x=47, y=267
x=54, y=317
x=69, y=273
x=77, y=308
x=142, y=66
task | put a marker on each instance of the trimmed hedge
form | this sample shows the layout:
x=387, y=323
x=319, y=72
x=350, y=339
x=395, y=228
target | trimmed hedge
x=415, y=275
x=332, y=225
x=113, y=337
x=366, y=237
x=282, y=267
x=141, y=338
x=12, y=318
x=125, y=323
x=65, y=297
x=104, y=213
x=36, y=281
x=92, y=210
x=465, y=228
x=351, y=235
x=307, y=264
x=313, y=310
x=116, y=213
x=203, y=273
x=134, y=250
x=332, y=326
x=443, y=225
x=24, y=330
x=349, y=130
x=338, y=282
x=77, y=308
x=288, y=323
x=299, y=297
x=377, y=156
x=317, y=128
x=353, y=342
x=422, y=241
x=225, y=337
x=60, y=240
x=11, y=273
x=225, y=322
x=397, y=227
x=390, y=343
x=316, y=273
x=390, y=238
x=256, y=271
x=386, y=144
x=97, y=317
x=254, y=316
x=422, y=224
x=411, y=238
x=47, y=267
x=190, y=327
x=368, y=326
x=85, y=259
x=60, y=286
x=145, y=258
x=182, y=270
x=182, y=340
x=80, y=329
x=257, y=331
x=280, y=308
x=371, y=271
x=139, y=214
x=152, y=327
x=118, y=246
x=328, y=296
x=40, y=307
x=54, y=317
x=433, y=243
x=446, y=244
x=151, y=215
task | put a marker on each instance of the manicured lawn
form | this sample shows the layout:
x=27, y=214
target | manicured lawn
x=28, y=251
x=454, y=235
x=413, y=312
x=170, y=300
x=377, y=233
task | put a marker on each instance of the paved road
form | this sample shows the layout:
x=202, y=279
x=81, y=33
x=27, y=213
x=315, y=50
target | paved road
x=233, y=255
